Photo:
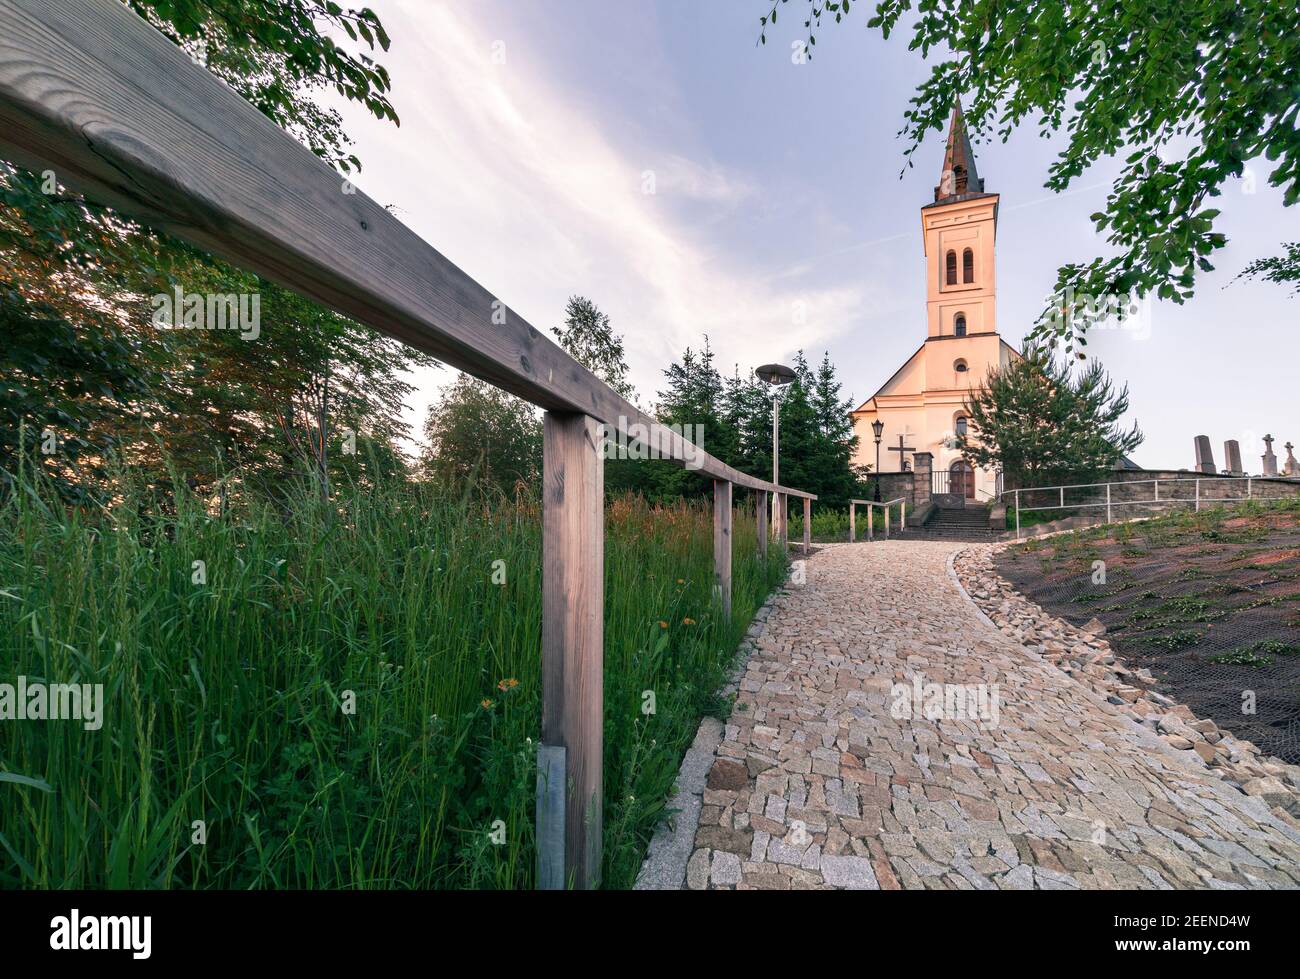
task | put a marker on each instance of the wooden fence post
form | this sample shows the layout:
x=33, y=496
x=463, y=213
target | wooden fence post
x=760, y=514
x=722, y=543
x=783, y=512
x=853, y=527
x=807, y=525
x=573, y=621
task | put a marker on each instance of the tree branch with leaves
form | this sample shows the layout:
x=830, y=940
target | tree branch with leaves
x=1186, y=93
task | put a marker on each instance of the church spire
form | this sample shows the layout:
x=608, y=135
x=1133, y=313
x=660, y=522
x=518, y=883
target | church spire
x=959, y=178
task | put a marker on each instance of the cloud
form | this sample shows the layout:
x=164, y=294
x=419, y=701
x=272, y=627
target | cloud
x=515, y=179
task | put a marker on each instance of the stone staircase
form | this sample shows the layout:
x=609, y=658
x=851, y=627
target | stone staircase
x=963, y=524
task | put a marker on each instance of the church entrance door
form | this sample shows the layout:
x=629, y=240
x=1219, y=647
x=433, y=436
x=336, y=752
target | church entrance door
x=962, y=477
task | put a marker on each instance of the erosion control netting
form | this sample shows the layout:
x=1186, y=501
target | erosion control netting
x=1209, y=602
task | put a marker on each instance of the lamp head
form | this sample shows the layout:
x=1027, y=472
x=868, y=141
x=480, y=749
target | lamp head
x=777, y=375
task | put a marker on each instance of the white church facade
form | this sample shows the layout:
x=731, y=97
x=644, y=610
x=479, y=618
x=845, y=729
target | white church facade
x=921, y=405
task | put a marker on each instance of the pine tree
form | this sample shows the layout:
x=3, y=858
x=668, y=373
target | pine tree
x=588, y=338
x=1044, y=425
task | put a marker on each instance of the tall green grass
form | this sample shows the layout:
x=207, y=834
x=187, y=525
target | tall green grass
x=225, y=702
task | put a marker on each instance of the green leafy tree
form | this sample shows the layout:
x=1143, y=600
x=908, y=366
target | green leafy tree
x=1187, y=92
x=61, y=390
x=86, y=272
x=278, y=54
x=1043, y=423
x=291, y=403
x=481, y=438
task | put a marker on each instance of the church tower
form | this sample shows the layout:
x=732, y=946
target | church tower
x=922, y=405
x=960, y=234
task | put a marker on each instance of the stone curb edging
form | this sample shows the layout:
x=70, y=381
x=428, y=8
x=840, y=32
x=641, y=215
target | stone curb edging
x=670, y=849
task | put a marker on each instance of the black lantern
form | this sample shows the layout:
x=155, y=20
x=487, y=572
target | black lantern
x=878, y=427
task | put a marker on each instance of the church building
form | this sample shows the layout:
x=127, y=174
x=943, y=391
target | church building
x=921, y=406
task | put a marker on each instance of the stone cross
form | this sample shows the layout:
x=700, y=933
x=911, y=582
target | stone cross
x=1232, y=458
x=1204, y=456
x=1270, y=460
x=1292, y=466
x=902, y=449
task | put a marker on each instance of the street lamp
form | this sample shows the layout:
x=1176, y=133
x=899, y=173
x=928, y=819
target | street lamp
x=878, y=427
x=778, y=376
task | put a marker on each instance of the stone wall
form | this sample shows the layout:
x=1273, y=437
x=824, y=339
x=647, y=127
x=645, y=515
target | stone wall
x=893, y=486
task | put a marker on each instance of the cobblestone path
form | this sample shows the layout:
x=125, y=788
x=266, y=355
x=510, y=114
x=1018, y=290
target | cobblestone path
x=814, y=781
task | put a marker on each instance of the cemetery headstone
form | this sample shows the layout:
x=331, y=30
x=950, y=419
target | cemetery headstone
x=1270, y=460
x=1232, y=457
x=1204, y=456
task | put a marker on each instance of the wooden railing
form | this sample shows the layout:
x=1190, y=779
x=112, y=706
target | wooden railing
x=871, y=530
x=91, y=91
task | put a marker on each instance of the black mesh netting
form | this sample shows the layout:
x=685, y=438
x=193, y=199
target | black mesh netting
x=1209, y=602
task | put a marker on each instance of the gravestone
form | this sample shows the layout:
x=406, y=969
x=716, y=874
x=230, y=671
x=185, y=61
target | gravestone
x=1204, y=456
x=1270, y=460
x=1232, y=458
x=1292, y=467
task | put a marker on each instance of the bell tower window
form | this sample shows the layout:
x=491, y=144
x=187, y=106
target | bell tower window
x=968, y=266
x=959, y=325
x=951, y=268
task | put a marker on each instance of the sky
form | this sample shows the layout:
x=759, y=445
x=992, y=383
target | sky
x=650, y=155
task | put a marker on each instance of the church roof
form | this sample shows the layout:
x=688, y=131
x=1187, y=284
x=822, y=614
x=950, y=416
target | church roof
x=958, y=180
x=870, y=404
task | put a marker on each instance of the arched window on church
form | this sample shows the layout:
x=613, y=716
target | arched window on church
x=960, y=367
x=952, y=267
x=968, y=266
x=959, y=325
x=962, y=425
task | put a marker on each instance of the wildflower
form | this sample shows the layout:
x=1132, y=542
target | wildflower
x=508, y=684
x=688, y=622
x=663, y=624
x=681, y=581
x=485, y=704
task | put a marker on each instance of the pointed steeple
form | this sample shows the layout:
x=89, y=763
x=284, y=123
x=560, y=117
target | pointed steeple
x=959, y=178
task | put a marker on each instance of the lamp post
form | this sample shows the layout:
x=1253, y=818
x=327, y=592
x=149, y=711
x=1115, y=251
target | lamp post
x=778, y=376
x=878, y=427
